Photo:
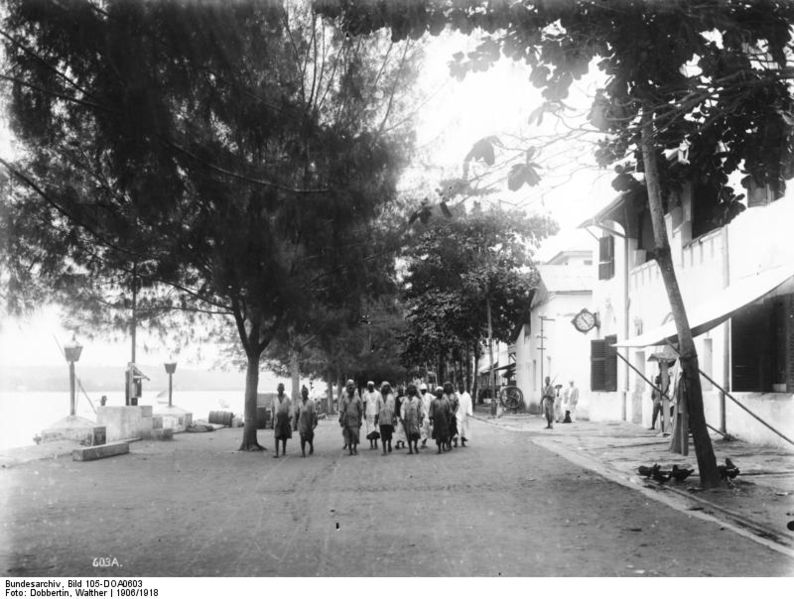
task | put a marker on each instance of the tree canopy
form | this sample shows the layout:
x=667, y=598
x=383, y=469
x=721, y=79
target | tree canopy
x=455, y=269
x=227, y=157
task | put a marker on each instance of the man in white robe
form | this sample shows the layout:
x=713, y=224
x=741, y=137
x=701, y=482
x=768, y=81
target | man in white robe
x=465, y=411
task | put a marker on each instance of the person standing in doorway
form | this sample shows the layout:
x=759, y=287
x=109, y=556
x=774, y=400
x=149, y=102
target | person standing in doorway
x=282, y=425
x=547, y=399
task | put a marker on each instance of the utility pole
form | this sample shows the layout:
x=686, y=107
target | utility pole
x=542, y=347
x=134, y=320
x=490, y=357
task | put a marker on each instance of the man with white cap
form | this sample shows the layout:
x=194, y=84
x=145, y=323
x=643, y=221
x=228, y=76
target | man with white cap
x=427, y=429
x=371, y=398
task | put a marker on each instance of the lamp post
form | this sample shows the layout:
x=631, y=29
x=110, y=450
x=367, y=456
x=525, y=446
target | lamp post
x=72, y=353
x=170, y=368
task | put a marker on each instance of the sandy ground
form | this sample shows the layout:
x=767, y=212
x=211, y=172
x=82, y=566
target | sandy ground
x=503, y=506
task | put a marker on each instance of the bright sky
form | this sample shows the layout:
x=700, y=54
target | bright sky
x=497, y=102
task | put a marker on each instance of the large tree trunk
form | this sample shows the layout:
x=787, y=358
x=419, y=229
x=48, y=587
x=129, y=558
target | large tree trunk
x=468, y=379
x=330, y=395
x=250, y=442
x=295, y=375
x=707, y=463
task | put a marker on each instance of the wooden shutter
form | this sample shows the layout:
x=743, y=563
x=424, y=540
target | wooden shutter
x=598, y=354
x=748, y=330
x=606, y=257
x=611, y=364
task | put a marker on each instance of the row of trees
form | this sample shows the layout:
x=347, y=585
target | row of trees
x=469, y=278
x=228, y=171
x=711, y=76
x=241, y=161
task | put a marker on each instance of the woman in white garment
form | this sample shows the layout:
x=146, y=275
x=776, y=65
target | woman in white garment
x=371, y=398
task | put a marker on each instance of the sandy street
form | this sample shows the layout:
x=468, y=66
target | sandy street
x=503, y=506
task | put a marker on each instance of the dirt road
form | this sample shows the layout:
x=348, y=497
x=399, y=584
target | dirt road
x=503, y=506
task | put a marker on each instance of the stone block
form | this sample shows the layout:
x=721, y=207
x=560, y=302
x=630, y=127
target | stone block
x=157, y=421
x=97, y=452
x=73, y=428
x=158, y=434
x=146, y=411
x=174, y=418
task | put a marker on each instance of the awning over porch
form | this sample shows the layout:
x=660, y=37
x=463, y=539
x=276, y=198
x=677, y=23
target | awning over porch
x=717, y=309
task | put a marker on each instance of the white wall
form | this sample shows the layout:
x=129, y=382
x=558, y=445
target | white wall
x=609, y=301
x=756, y=240
x=567, y=351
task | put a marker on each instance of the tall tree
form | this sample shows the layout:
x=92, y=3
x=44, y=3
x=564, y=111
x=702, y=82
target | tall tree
x=712, y=76
x=228, y=157
x=459, y=269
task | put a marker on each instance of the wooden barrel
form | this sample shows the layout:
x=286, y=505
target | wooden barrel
x=221, y=417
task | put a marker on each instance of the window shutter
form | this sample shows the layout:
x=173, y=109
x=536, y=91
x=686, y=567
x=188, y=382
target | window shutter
x=606, y=257
x=611, y=364
x=747, y=341
x=597, y=362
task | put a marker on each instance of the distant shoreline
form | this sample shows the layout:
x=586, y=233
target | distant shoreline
x=96, y=379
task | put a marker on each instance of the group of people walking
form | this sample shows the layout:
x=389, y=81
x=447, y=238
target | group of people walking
x=406, y=417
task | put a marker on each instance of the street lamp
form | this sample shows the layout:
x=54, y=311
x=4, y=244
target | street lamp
x=72, y=353
x=170, y=368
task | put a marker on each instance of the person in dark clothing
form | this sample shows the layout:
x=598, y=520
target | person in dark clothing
x=656, y=397
x=306, y=419
x=282, y=425
x=351, y=412
x=549, y=393
x=439, y=418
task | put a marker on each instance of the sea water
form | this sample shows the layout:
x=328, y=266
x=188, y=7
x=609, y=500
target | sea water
x=24, y=414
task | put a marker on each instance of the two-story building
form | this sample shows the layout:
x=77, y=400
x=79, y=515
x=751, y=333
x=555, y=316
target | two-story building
x=547, y=344
x=738, y=287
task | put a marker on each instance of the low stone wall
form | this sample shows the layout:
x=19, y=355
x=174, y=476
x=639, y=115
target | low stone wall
x=175, y=418
x=125, y=422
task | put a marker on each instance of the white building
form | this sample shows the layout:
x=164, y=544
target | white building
x=548, y=344
x=736, y=282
